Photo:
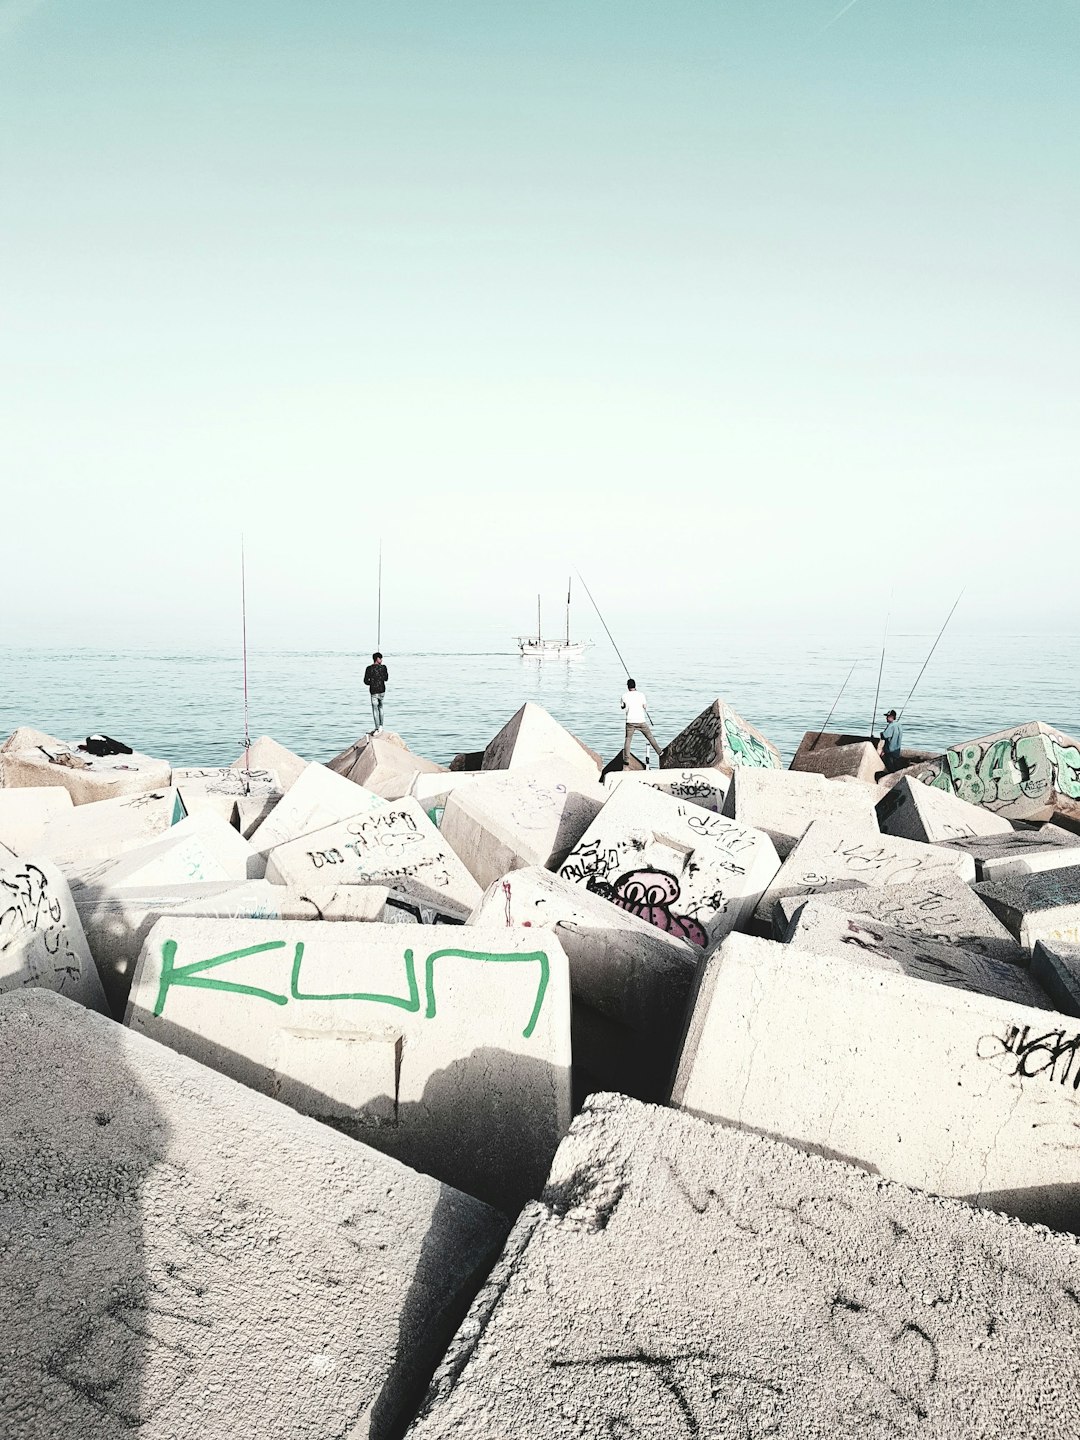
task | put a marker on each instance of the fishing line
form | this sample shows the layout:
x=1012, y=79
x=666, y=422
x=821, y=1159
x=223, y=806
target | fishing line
x=933, y=647
x=881, y=667
x=243, y=614
x=836, y=702
x=378, y=613
x=603, y=622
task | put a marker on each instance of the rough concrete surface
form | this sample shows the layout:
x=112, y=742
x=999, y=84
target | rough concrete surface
x=106, y=828
x=221, y=787
x=1056, y=966
x=784, y=803
x=720, y=739
x=701, y=786
x=837, y=756
x=686, y=1281
x=85, y=777
x=202, y=847
x=913, y=811
x=186, y=1260
x=1045, y=906
x=1029, y=772
x=533, y=737
x=267, y=754
x=955, y=1093
x=25, y=812
x=436, y=1044
x=42, y=944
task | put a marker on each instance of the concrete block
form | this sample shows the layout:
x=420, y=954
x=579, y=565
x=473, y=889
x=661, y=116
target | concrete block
x=24, y=813
x=267, y=754
x=107, y=828
x=1031, y=772
x=117, y=922
x=202, y=847
x=250, y=814
x=720, y=739
x=1044, y=906
x=826, y=930
x=623, y=967
x=1061, y=847
x=467, y=760
x=42, y=944
x=432, y=791
x=507, y=819
x=828, y=852
x=348, y=762
x=947, y=912
x=684, y=1280
x=317, y=799
x=85, y=777
x=1056, y=966
x=784, y=803
x=703, y=787
x=390, y=843
x=389, y=770
x=914, y=811
x=453, y=1057
x=838, y=756
x=955, y=1093
x=533, y=737
x=187, y=1260
x=221, y=787
x=695, y=875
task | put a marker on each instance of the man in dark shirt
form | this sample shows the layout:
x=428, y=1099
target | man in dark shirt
x=375, y=678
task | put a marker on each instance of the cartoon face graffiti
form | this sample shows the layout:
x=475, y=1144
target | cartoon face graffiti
x=650, y=894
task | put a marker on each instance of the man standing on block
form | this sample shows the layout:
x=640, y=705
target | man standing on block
x=891, y=743
x=375, y=678
x=637, y=718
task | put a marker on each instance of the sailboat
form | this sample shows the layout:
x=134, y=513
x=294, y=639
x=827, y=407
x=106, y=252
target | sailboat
x=540, y=649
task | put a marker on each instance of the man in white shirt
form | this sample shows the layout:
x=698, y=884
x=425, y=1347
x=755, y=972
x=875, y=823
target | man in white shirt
x=637, y=718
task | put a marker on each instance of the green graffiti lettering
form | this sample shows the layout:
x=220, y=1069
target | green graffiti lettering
x=746, y=749
x=1034, y=765
x=1067, y=764
x=410, y=1002
x=173, y=974
x=998, y=773
x=965, y=781
x=533, y=955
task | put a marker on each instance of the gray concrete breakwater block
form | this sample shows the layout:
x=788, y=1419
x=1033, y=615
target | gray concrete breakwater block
x=186, y=1260
x=42, y=943
x=1044, y=906
x=686, y=1280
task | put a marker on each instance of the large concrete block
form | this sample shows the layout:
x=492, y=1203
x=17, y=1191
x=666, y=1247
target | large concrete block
x=85, y=777
x=432, y=791
x=250, y=814
x=703, y=787
x=1056, y=966
x=42, y=944
x=266, y=754
x=622, y=966
x=955, y=1093
x=186, y=1260
x=823, y=929
x=695, y=875
x=221, y=787
x=316, y=799
x=687, y=1280
x=533, y=737
x=784, y=803
x=1031, y=772
x=390, y=843
x=455, y=1057
x=720, y=739
x=117, y=922
x=347, y=763
x=948, y=912
x=507, y=819
x=919, y=812
x=1045, y=906
x=1046, y=848
x=837, y=756
x=202, y=847
x=107, y=828
x=829, y=852
x=25, y=812
x=389, y=770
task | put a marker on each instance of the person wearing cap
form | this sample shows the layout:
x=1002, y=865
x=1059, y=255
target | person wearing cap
x=375, y=678
x=891, y=742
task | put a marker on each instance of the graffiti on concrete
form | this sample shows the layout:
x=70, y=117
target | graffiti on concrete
x=1054, y=1054
x=30, y=908
x=650, y=894
x=747, y=749
x=195, y=974
x=999, y=773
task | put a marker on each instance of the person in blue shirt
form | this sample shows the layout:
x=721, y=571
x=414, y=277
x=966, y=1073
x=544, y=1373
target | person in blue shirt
x=891, y=742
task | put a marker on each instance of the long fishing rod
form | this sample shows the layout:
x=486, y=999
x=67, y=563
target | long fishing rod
x=243, y=615
x=933, y=647
x=836, y=702
x=378, y=616
x=603, y=622
x=881, y=667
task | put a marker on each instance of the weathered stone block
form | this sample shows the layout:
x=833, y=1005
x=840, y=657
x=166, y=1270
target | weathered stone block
x=533, y=737
x=221, y=787
x=316, y=799
x=1056, y=966
x=107, y=828
x=1031, y=772
x=914, y=811
x=505, y=820
x=266, y=754
x=695, y=875
x=42, y=944
x=453, y=1055
x=720, y=739
x=958, y=1094
x=432, y=791
x=25, y=812
x=202, y=847
x=85, y=777
x=389, y=770
x=1017, y=844
x=836, y=756
x=784, y=803
x=828, y=852
x=1045, y=906
x=187, y=1260
x=703, y=787
x=689, y=1280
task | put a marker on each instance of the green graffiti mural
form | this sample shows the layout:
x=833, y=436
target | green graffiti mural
x=194, y=975
x=747, y=749
x=1000, y=773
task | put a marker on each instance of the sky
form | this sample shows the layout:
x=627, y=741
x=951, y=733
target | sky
x=760, y=314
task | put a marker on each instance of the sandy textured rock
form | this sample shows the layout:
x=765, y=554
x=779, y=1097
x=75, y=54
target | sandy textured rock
x=186, y=1260
x=42, y=944
x=784, y=803
x=837, y=756
x=447, y=1050
x=686, y=1280
x=829, y=852
x=913, y=811
x=702, y=786
x=1045, y=906
x=695, y=875
x=1056, y=966
x=958, y=1094
x=85, y=777
x=720, y=739
x=506, y=820
x=533, y=737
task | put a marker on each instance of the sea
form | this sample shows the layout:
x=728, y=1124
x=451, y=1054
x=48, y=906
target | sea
x=187, y=706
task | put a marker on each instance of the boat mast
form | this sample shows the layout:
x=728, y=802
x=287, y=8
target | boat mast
x=539, y=637
x=569, y=578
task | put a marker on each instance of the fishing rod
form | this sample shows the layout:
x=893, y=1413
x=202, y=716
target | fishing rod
x=836, y=702
x=378, y=615
x=603, y=622
x=933, y=647
x=243, y=615
x=881, y=667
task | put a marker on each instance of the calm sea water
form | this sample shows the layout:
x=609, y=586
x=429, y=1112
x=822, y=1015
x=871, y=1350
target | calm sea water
x=187, y=707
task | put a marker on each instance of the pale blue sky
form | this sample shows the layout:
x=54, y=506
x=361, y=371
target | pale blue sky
x=752, y=316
